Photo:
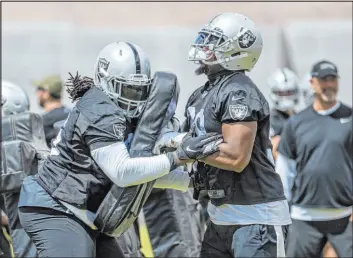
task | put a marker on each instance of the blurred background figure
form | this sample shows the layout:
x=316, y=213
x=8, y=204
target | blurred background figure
x=49, y=91
x=15, y=99
x=307, y=93
x=6, y=249
x=284, y=97
x=15, y=152
x=315, y=164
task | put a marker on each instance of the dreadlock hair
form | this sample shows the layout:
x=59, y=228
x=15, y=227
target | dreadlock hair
x=77, y=86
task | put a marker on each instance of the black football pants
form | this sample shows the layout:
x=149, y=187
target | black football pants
x=58, y=234
x=244, y=241
x=308, y=238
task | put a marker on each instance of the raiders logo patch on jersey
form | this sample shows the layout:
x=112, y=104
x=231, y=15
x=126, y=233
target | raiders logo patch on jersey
x=103, y=64
x=238, y=112
x=119, y=131
x=247, y=39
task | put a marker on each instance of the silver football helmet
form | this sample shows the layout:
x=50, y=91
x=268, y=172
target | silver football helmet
x=284, y=87
x=123, y=72
x=307, y=93
x=14, y=99
x=229, y=39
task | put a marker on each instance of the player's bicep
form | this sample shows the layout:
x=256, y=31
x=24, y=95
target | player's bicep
x=240, y=138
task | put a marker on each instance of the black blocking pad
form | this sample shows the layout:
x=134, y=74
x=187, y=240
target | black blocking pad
x=23, y=149
x=27, y=127
x=18, y=160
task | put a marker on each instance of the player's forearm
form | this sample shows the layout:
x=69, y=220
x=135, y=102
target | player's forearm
x=275, y=143
x=228, y=159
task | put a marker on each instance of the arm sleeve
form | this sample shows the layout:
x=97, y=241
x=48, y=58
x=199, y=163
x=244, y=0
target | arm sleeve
x=287, y=144
x=178, y=179
x=238, y=105
x=115, y=162
x=286, y=168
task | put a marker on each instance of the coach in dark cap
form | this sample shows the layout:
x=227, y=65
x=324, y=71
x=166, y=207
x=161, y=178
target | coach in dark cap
x=315, y=164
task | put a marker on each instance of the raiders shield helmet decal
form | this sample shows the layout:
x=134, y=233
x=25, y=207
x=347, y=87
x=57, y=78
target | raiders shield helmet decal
x=247, y=39
x=238, y=112
x=103, y=64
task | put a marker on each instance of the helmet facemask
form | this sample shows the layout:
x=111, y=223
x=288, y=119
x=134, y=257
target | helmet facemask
x=201, y=52
x=204, y=45
x=130, y=93
x=285, y=100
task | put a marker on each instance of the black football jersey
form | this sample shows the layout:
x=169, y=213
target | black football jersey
x=94, y=122
x=230, y=99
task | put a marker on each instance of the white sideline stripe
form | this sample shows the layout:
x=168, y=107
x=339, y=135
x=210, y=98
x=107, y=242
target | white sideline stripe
x=280, y=242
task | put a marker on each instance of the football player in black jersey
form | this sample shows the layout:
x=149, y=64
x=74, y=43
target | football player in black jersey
x=57, y=206
x=248, y=210
x=284, y=95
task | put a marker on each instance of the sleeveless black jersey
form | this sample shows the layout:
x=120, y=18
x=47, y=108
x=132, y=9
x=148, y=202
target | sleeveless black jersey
x=235, y=98
x=70, y=174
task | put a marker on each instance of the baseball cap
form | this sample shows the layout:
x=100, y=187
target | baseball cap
x=52, y=84
x=324, y=68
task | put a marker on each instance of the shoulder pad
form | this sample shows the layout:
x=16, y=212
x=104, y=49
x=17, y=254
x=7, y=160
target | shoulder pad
x=95, y=104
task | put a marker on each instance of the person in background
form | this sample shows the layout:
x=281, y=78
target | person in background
x=5, y=241
x=307, y=93
x=315, y=163
x=308, y=96
x=284, y=96
x=49, y=91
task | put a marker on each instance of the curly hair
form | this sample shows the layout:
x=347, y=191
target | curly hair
x=77, y=86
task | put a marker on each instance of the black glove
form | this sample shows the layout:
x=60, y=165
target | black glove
x=198, y=147
x=194, y=148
